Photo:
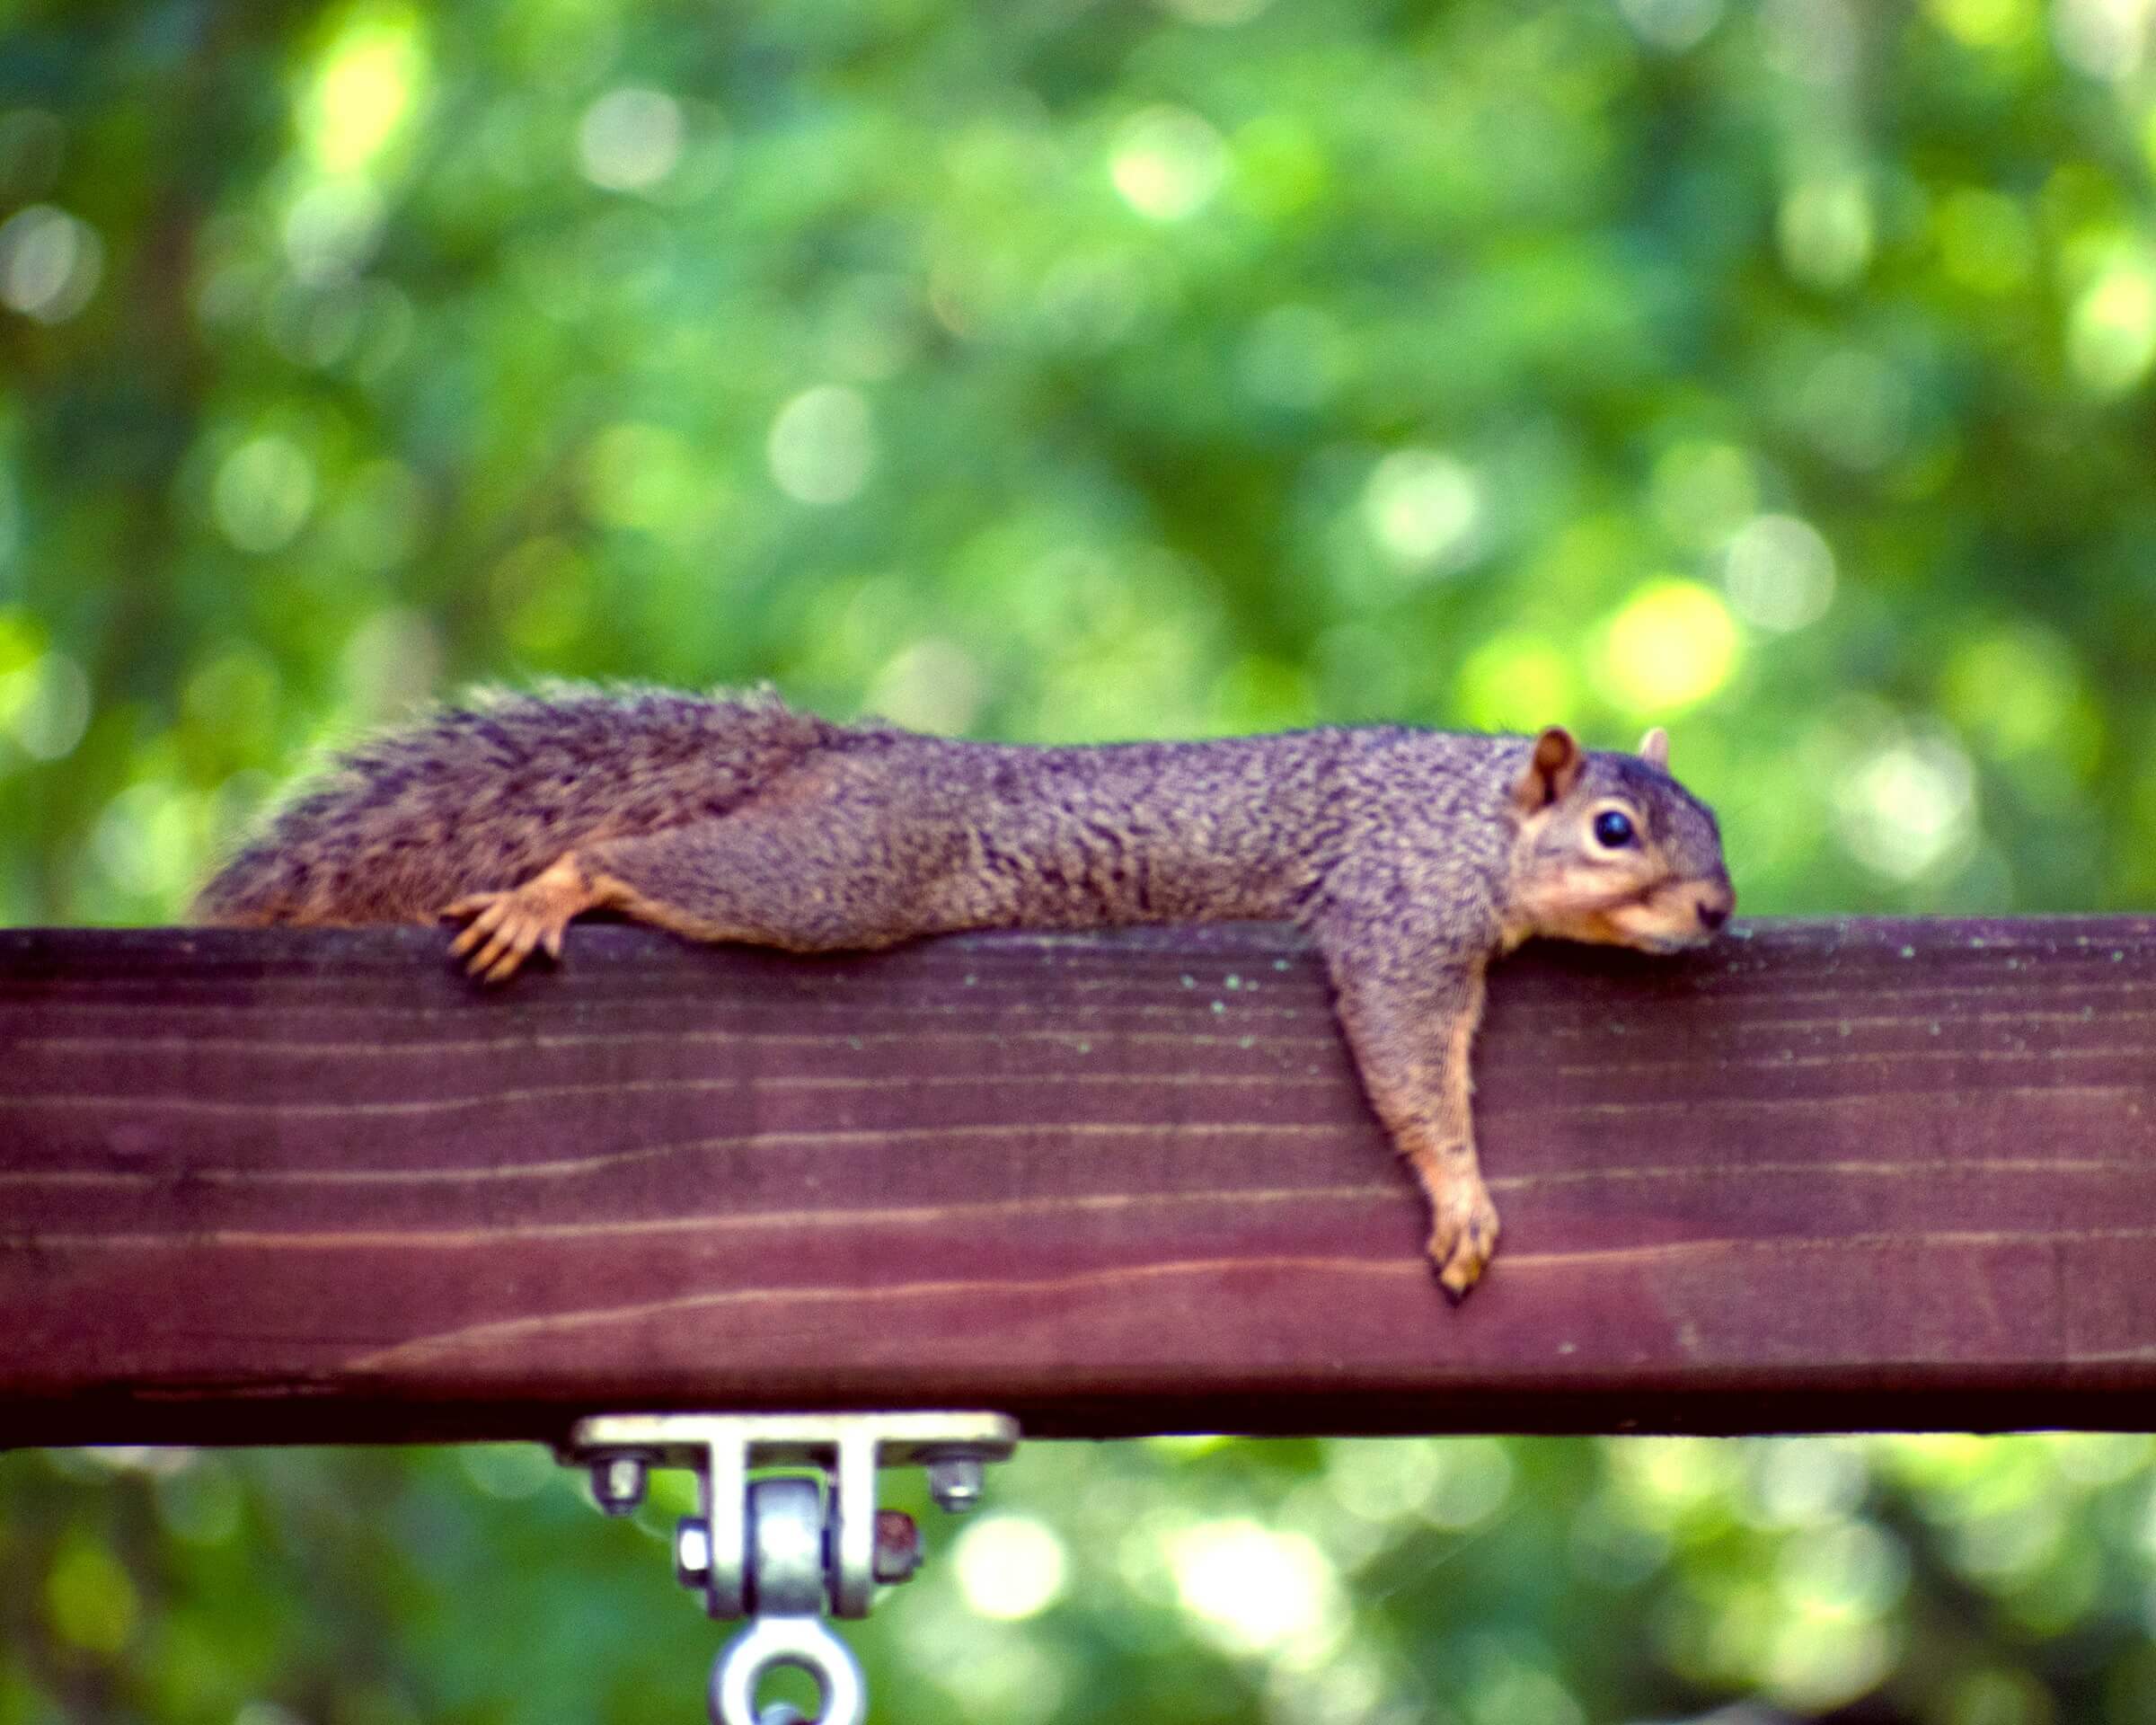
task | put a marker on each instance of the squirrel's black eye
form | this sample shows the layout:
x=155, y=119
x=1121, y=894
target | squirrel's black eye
x=1612, y=830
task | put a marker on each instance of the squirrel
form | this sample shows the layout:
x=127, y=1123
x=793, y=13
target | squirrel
x=1410, y=857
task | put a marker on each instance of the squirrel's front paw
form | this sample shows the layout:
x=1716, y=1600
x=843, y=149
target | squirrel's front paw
x=505, y=926
x=1464, y=1234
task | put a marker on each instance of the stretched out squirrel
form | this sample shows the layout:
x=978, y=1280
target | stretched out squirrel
x=1411, y=857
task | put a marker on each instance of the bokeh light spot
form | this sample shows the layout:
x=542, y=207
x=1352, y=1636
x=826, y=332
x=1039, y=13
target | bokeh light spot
x=1255, y=1590
x=1778, y=572
x=630, y=139
x=822, y=445
x=50, y=263
x=1167, y=163
x=146, y=840
x=1981, y=24
x=1474, y=1479
x=1009, y=1567
x=1824, y=230
x=263, y=493
x=332, y=229
x=2111, y=332
x=1815, y=1664
x=364, y=89
x=45, y=706
x=1424, y=510
x=1672, y=645
x=1671, y=25
x=1800, y=1484
x=2106, y=39
x=1381, y=1481
x=933, y=685
x=1845, y=1568
x=1509, y=1690
x=1908, y=807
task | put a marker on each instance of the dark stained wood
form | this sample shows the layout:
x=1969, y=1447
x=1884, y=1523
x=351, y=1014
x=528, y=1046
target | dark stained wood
x=271, y=1187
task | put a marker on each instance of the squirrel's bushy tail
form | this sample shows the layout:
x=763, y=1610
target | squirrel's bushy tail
x=480, y=797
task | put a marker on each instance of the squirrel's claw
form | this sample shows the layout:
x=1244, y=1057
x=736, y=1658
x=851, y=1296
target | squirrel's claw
x=485, y=908
x=497, y=938
x=501, y=934
x=486, y=911
x=506, y=966
x=1465, y=1236
x=500, y=937
x=506, y=926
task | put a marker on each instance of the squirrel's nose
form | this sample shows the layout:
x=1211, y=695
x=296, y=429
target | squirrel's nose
x=1713, y=915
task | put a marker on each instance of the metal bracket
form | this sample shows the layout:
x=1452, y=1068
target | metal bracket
x=785, y=1549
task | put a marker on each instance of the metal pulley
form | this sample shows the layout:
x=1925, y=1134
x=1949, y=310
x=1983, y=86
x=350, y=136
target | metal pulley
x=785, y=1549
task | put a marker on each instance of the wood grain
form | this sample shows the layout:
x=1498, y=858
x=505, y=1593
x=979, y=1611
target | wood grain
x=261, y=1187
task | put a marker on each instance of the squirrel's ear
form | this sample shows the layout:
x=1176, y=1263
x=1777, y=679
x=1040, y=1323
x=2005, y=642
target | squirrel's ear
x=1551, y=771
x=1654, y=748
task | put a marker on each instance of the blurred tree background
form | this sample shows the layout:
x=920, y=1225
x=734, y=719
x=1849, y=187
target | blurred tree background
x=1066, y=369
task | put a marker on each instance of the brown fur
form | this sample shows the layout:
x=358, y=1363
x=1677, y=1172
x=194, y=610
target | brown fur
x=1412, y=857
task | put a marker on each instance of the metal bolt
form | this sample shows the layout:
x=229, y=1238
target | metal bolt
x=693, y=1552
x=617, y=1484
x=897, y=1547
x=954, y=1482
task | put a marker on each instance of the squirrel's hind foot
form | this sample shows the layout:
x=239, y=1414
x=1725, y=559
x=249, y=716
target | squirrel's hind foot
x=505, y=927
x=1465, y=1236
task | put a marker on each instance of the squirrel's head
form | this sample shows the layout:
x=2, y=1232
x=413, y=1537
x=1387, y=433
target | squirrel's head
x=1611, y=849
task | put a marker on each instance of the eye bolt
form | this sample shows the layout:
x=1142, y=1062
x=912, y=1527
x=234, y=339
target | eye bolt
x=1612, y=831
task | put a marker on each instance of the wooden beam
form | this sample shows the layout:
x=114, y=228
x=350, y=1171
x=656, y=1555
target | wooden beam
x=271, y=1187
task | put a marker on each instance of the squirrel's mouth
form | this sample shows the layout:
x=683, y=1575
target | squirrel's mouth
x=1667, y=920
x=1672, y=915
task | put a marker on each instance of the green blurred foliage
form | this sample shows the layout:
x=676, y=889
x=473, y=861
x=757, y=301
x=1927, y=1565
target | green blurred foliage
x=1475, y=1581
x=1076, y=368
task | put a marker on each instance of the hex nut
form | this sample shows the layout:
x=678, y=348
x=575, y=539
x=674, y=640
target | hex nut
x=617, y=1484
x=954, y=1482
